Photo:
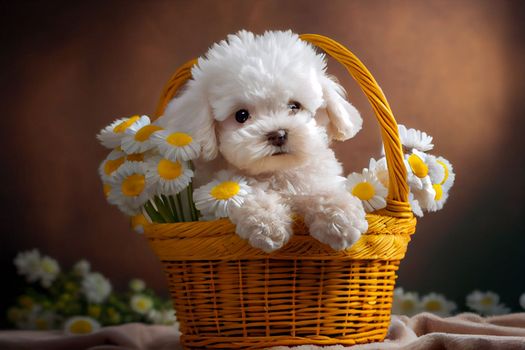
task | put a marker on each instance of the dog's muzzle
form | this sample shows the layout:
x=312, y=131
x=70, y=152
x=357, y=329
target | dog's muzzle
x=278, y=138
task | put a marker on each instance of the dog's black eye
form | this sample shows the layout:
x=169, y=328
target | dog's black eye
x=242, y=115
x=294, y=106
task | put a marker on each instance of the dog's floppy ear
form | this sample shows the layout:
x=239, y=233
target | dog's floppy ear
x=190, y=112
x=344, y=120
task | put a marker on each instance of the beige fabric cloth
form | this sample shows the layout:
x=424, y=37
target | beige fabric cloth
x=423, y=331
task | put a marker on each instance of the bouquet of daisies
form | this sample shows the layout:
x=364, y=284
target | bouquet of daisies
x=429, y=177
x=148, y=172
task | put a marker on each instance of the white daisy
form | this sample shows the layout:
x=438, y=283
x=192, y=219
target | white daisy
x=130, y=187
x=405, y=303
x=437, y=304
x=96, y=287
x=138, y=222
x=137, y=137
x=28, y=264
x=414, y=203
x=137, y=285
x=163, y=317
x=522, y=301
x=485, y=303
x=417, y=170
x=81, y=325
x=380, y=170
x=109, y=165
x=169, y=177
x=217, y=197
x=141, y=304
x=368, y=189
x=82, y=267
x=49, y=270
x=439, y=199
x=436, y=172
x=176, y=146
x=415, y=139
x=448, y=174
x=111, y=135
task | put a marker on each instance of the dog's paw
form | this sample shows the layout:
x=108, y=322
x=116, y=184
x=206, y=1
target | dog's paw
x=337, y=230
x=264, y=234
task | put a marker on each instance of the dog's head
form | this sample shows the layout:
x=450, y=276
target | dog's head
x=264, y=102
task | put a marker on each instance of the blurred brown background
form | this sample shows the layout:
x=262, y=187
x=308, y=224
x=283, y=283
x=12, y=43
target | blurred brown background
x=451, y=68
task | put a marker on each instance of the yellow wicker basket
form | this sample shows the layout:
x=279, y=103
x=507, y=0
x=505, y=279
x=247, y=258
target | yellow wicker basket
x=228, y=295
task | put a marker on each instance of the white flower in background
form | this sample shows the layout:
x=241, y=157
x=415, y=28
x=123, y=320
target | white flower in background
x=28, y=264
x=217, y=197
x=81, y=325
x=138, y=137
x=82, y=267
x=109, y=165
x=138, y=222
x=405, y=303
x=36, y=318
x=380, y=170
x=96, y=287
x=414, y=203
x=137, y=285
x=448, y=174
x=49, y=270
x=368, y=189
x=176, y=146
x=415, y=139
x=141, y=304
x=522, y=301
x=163, y=317
x=111, y=135
x=486, y=303
x=130, y=187
x=437, y=304
x=169, y=177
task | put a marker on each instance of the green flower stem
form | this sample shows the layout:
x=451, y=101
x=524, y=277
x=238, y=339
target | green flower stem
x=164, y=212
x=174, y=208
x=153, y=214
x=193, y=210
x=168, y=205
x=179, y=203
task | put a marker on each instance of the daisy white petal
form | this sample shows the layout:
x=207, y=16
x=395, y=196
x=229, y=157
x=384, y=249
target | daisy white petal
x=169, y=177
x=175, y=145
x=436, y=171
x=49, y=270
x=82, y=267
x=217, y=197
x=137, y=285
x=368, y=189
x=96, y=287
x=414, y=203
x=111, y=135
x=380, y=170
x=28, y=264
x=81, y=325
x=141, y=304
x=406, y=303
x=163, y=317
x=482, y=302
x=415, y=139
x=137, y=138
x=437, y=304
x=130, y=187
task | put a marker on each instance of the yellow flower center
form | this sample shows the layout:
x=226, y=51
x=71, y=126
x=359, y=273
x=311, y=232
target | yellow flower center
x=487, y=301
x=225, y=190
x=433, y=305
x=408, y=305
x=81, y=327
x=142, y=304
x=94, y=311
x=169, y=170
x=419, y=168
x=145, y=132
x=135, y=157
x=106, y=189
x=439, y=191
x=139, y=219
x=111, y=165
x=125, y=124
x=133, y=185
x=48, y=267
x=364, y=191
x=179, y=139
x=445, y=177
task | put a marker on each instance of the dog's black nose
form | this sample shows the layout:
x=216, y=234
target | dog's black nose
x=278, y=138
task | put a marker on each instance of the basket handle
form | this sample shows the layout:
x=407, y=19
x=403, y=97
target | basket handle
x=397, y=200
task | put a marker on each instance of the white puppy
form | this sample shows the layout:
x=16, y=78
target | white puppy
x=264, y=107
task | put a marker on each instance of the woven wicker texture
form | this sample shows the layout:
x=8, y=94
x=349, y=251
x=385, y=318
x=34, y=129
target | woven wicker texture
x=228, y=295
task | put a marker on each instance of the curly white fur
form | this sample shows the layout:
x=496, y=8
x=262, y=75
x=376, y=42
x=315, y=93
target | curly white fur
x=265, y=75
